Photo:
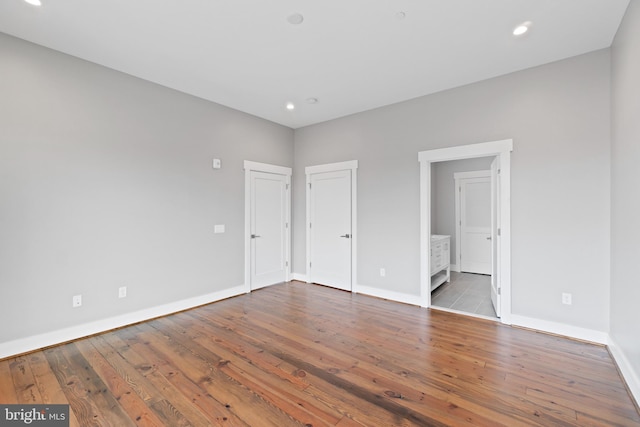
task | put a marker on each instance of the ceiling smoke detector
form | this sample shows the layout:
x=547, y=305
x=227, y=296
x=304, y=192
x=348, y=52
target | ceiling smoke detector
x=295, y=19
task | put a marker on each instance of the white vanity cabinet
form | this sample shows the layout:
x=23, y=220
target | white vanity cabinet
x=440, y=260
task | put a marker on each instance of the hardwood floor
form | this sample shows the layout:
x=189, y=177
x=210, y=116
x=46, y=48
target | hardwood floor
x=304, y=355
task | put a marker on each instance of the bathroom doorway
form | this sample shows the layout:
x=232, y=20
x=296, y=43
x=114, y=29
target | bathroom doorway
x=501, y=231
x=462, y=210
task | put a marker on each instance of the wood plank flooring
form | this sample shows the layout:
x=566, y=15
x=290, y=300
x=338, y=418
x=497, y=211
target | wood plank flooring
x=304, y=355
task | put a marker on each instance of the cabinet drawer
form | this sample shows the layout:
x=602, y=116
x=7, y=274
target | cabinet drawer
x=439, y=256
x=436, y=262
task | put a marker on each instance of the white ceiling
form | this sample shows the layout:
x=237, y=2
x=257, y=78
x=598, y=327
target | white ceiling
x=352, y=55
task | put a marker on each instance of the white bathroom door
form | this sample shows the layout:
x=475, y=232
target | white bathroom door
x=495, y=236
x=330, y=229
x=268, y=229
x=475, y=225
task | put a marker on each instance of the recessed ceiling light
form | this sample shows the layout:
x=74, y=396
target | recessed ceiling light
x=312, y=100
x=522, y=28
x=290, y=106
x=34, y=2
x=295, y=19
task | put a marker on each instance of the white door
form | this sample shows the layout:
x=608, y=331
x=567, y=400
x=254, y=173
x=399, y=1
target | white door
x=330, y=229
x=495, y=238
x=268, y=225
x=475, y=225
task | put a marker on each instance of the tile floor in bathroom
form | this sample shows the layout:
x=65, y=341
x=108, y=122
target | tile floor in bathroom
x=466, y=292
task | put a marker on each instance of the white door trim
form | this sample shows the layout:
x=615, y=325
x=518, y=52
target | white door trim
x=334, y=167
x=472, y=174
x=250, y=166
x=495, y=240
x=502, y=149
x=457, y=177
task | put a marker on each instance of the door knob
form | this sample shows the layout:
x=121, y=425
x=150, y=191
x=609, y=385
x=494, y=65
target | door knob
x=346, y=236
x=488, y=238
x=253, y=236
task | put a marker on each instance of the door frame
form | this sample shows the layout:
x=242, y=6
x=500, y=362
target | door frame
x=458, y=177
x=495, y=241
x=249, y=167
x=351, y=165
x=502, y=149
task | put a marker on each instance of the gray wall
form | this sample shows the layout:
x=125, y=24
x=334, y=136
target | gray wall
x=443, y=207
x=559, y=118
x=106, y=181
x=625, y=187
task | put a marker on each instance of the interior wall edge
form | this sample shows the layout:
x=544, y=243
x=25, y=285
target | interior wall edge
x=300, y=277
x=631, y=377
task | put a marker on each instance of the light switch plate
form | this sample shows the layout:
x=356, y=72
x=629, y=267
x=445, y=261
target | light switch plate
x=219, y=228
x=217, y=164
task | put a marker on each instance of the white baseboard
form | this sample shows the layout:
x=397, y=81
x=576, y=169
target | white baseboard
x=299, y=277
x=35, y=342
x=454, y=267
x=390, y=295
x=560, y=329
x=374, y=292
x=631, y=377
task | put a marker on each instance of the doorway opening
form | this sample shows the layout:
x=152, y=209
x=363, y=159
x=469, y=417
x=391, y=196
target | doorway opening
x=461, y=215
x=438, y=261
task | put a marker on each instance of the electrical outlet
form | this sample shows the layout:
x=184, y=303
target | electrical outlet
x=77, y=301
x=566, y=299
x=122, y=292
x=383, y=272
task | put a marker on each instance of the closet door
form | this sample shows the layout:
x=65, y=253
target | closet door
x=268, y=229
x=330, y=229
